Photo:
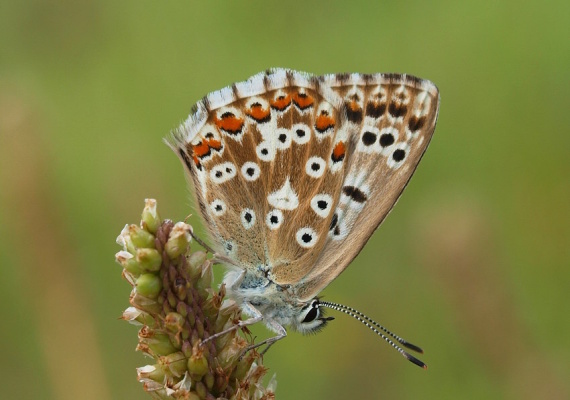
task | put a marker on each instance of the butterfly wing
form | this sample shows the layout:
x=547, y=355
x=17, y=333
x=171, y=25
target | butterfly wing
x=292, y=173
x=267, y=160
x=394, y=117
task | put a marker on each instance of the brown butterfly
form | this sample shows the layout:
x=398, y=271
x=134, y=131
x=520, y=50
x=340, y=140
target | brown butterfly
x=292, y=175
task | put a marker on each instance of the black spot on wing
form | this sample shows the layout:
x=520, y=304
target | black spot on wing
x=355, y=194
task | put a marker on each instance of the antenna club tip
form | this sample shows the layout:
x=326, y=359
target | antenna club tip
x=425, y=367
x=414, y=360
x=413, y=347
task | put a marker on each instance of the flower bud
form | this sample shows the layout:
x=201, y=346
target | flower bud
x=143, y=303
x=137, y=317
x=152, y=372
x=128, y=262
x=197, y=363
x=148, y=259
x=244, y=365
x=231, y=351
x=179, y=240
x=209, y=380
x=195, y=262
x=174, y=322
x=150, y=219
x=205, y=280
x=140, y=237
x=124, y=240
x=149, y=285
x=173, y=364
x=228, y=309
x=201, y=390
x=158, y=343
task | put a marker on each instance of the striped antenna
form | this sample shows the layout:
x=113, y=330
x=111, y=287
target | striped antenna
x=376, y=328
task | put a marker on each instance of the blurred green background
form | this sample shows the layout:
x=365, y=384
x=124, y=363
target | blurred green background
x=472, y=264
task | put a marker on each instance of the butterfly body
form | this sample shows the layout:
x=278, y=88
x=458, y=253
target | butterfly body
x=293, y=173
x=277, y=304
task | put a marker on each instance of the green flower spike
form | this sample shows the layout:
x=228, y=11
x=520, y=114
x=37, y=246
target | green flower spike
x=174, y=301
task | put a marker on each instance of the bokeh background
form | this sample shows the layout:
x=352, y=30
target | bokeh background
x=472, y=264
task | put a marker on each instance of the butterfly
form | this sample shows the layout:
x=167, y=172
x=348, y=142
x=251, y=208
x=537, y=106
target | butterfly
x=292, y=173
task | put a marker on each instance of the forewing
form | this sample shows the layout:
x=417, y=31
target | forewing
x=267, y=160
x=390, y=120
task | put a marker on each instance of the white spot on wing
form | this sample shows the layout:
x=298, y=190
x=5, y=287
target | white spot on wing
x=257, y=100
x=218, y=207
x=284, y=198
x=422, y=104
x=221, y=111
x=223, y=172
x=306, y=237
x=247, y=218
x=322, y=204
x=283, y=141
x=301, y=133
x=265, y=152
x=401, y=95
x=250, y=171
x=274, y=219
x=315, y=167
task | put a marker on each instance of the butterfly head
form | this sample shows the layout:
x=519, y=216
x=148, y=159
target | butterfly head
x=310, y=318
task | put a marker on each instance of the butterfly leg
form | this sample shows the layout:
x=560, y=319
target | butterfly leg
x=277, y=328
x=256, y=317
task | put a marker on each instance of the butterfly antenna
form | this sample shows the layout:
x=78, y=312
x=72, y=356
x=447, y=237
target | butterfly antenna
x=376, y=328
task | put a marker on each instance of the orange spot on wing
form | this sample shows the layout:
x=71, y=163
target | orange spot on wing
x=229, y=123
x=281, y=103
x=258, y=113
x=303, y=100
x=324, y=122
x=215, y=144
x=196, y=161
x=338, y=152
x=353, y=105
x=201, y=149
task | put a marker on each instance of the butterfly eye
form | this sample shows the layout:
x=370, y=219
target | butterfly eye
x=312, y=314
